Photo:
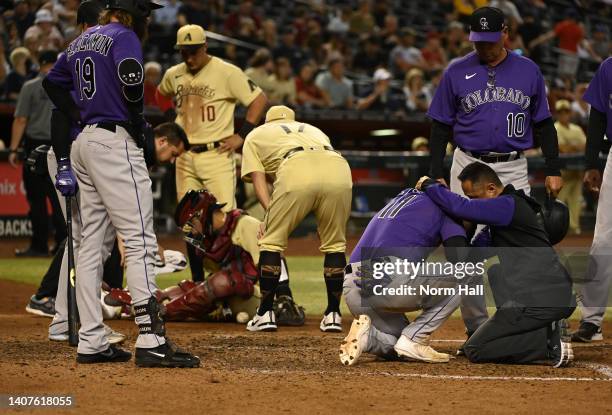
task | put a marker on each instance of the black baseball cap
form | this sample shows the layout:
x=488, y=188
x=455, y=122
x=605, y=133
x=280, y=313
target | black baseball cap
x=47, y=56
x=89, y=12
x=486, y=24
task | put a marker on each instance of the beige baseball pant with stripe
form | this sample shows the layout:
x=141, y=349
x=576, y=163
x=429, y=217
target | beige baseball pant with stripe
x=208, y=170
x=115, y=191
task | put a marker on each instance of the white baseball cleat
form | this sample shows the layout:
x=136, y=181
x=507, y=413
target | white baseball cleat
x=356, y=341
x=413, y=350
x=114, y=337
x=267, y=322
x=332, y=322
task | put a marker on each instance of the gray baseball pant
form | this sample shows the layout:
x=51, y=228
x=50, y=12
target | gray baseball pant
x=59, y=324
x=596, y=288
x=473, y=307
x=115, y=191
x=387, y=311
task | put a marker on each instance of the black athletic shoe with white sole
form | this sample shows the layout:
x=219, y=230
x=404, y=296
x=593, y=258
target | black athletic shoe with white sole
x=111, y=355
x=41, y=307
x=166, y=355
x=560, y=350
x=587, y=332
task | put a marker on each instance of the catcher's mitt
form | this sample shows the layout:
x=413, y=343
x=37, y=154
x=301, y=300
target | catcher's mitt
x=287, y=312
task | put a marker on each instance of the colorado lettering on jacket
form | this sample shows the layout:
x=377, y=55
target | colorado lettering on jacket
x=499, y=94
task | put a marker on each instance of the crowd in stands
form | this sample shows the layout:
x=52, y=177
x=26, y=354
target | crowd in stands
x=384, y=55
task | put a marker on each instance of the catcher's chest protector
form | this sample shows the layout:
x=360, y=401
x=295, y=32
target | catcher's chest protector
x=220, y=247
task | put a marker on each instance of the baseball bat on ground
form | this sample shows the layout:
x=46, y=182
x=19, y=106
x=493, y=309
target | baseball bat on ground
x=73, y=312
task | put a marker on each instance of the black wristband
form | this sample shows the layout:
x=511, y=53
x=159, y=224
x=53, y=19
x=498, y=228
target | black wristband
x=246, y=128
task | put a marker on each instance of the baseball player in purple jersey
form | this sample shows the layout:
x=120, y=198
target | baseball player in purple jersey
x=409, y=227
x=492, y=103
x=596, y=288
x=63, y=132
x=103, y=66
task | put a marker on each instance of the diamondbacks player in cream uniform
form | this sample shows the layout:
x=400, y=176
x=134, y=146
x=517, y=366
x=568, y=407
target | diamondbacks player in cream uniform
x=205, y=91
x=309, y=177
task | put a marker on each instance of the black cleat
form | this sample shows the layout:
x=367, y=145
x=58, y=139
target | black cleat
x=111, y=355
x=559, y=347
x=587, y=332
x=166, y=355
x=44, y=307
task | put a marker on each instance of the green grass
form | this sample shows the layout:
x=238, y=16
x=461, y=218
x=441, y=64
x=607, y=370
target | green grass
x=306, y=279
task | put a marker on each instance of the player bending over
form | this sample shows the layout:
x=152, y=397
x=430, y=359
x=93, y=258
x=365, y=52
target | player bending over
x=309, y=177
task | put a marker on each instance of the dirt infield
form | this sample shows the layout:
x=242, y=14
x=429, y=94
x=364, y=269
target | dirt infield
x=295, y=370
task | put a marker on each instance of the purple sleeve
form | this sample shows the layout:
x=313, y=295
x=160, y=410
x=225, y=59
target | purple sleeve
x=450, y=228
x=598, y=92
x=497, y=211
x=127, y=46
x=60, y=73
x=539, y=105
x=443, y=107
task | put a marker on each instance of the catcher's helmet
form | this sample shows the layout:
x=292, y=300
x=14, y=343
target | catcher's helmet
x=139, y=9
x=194, y=216
x=555, y=216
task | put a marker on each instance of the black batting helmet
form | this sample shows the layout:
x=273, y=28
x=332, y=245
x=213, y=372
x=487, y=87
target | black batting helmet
x=89, y=12
x=555, y=216
x=139, y=9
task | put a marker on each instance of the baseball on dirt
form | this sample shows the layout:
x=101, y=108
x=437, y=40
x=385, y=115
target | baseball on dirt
x=242, y=317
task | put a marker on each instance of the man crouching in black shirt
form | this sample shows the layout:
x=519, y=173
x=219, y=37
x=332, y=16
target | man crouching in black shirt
x=532, y=290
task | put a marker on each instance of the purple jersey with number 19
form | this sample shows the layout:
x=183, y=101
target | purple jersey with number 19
x=491, y=109
x=89, y=67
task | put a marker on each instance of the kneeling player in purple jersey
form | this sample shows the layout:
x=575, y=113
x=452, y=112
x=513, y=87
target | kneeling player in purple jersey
x=492, y=103
x=408, y=228
x=104, y=67
x=532, y=289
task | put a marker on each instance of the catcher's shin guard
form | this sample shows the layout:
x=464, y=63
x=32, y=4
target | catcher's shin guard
x=199, y=300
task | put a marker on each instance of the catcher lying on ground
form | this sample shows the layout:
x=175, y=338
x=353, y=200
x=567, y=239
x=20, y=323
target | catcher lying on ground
x=228, y=243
